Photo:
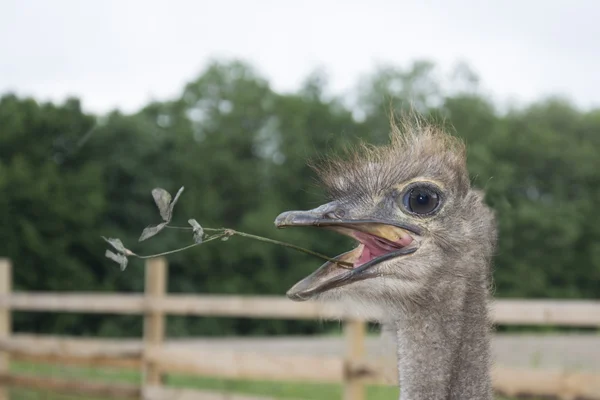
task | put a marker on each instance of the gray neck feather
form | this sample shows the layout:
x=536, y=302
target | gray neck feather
x=443, y=348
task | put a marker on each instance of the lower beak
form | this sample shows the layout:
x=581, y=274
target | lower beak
x=330, y=275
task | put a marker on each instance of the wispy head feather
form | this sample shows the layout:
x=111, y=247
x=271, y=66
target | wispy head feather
x=416, y=149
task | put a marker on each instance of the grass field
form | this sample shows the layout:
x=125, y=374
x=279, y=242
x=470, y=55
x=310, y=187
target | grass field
x=283, y=390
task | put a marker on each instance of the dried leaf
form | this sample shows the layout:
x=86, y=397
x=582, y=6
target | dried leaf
x=151, y=230
x=117, y=244
x=198, y=231
x=129, y=253
x=118, y=258
x=195, y=225
x=198, y=237
x=162, y=198
x=174, y=202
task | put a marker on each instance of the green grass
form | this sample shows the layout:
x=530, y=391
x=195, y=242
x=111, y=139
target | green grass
x=282, y=390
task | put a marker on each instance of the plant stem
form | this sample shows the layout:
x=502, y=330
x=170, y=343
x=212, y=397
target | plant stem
x=231, y=232
x=343, y=264
x=180, y=249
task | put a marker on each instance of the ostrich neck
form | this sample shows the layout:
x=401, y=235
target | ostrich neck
x=443, y=351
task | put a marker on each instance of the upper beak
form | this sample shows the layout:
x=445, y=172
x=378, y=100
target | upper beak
x=326, y=216
x=330, y=274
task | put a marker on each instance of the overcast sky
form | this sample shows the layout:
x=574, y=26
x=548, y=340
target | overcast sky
x=122, y=53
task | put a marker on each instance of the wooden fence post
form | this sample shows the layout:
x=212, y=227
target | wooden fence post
x=354, y=332
x=5, y=319
x=154, y=321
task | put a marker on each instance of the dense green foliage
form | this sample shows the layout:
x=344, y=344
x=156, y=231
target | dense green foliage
x=240, y=149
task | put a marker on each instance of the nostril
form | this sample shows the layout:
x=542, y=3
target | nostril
x=334, y=213
x=340, y=213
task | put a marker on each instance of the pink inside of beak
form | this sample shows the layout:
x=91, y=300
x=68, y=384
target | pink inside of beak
x=375, y=246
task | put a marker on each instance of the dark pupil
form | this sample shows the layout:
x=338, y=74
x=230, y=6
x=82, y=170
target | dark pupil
x=422, y=202
x=422, y=199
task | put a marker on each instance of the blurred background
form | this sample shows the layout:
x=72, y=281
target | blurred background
x=101, y=101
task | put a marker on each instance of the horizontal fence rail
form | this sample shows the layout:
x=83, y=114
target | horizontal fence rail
x=249, y=365
x=73, y=387
x=116, y=391
x=74, y=351
x=576, y=313
x=163, y=393
x=151, y=357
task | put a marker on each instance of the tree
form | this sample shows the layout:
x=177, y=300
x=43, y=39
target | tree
x=241, y=151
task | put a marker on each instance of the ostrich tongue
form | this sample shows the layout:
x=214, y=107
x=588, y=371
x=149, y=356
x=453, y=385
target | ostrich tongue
x=375, y=240
x=376, y=246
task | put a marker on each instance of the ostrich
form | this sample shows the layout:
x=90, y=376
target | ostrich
x=422, y=262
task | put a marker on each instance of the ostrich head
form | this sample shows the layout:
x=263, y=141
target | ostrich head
x=419, y=225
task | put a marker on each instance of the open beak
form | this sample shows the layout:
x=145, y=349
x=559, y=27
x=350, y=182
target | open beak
x=378, y=241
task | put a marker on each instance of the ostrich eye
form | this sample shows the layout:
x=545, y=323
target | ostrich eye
x=421, y=200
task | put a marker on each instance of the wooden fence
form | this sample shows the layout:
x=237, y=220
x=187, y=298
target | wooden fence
x=155, y=360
